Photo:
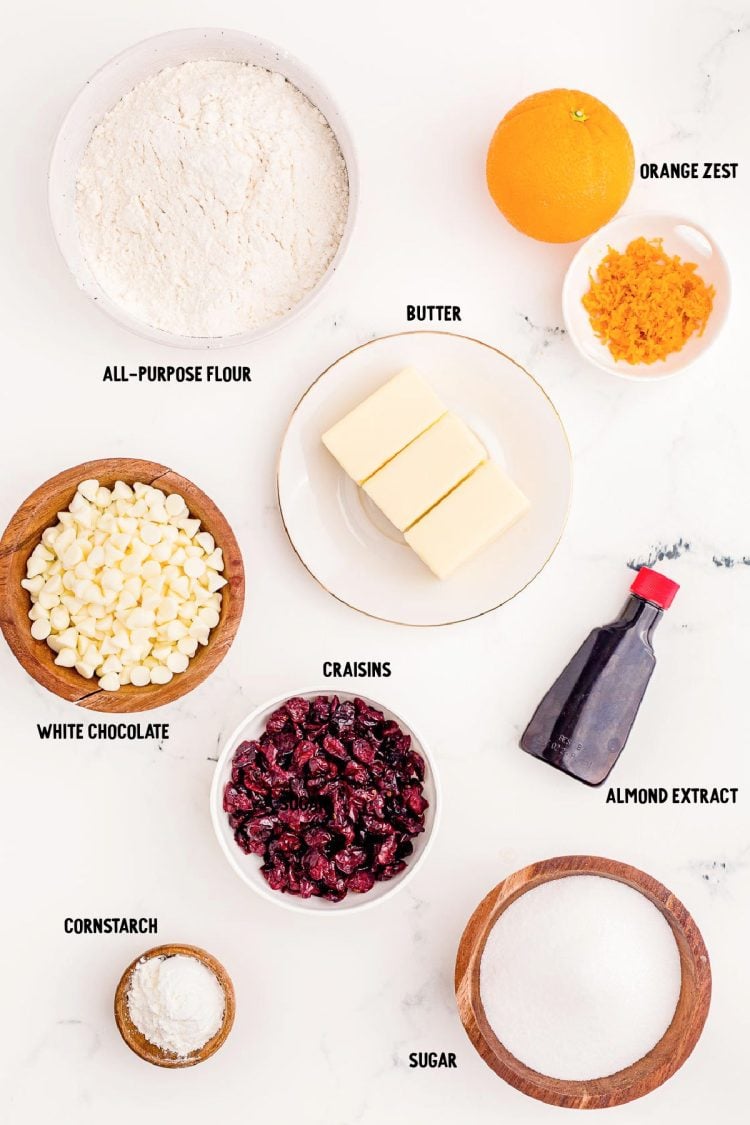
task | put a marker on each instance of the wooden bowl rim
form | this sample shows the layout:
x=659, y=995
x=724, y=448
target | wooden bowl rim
x=624, y=1085
x=138, y=1043
x=24, y=531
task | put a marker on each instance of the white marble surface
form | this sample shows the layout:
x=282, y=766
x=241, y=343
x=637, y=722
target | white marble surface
x=329, y=1008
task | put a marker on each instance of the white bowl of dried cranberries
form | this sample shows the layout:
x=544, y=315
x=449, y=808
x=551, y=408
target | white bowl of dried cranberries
x=325, y=802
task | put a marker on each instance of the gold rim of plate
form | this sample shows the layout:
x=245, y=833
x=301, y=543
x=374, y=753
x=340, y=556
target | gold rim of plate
x=377, y=616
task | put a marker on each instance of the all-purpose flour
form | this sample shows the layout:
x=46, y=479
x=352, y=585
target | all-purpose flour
x=176, y=1003
x=211, y=198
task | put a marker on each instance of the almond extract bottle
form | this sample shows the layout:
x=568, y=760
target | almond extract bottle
x=583, y=722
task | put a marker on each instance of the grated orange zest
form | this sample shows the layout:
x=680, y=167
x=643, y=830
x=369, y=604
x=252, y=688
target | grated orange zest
x=645, y=304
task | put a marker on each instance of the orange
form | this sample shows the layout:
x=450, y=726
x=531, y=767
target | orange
x=560, y=165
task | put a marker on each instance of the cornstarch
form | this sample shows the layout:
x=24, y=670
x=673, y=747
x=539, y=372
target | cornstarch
x=211, y=198
x=176, y=1003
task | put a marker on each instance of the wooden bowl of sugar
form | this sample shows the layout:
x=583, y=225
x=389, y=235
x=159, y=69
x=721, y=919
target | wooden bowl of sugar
x=24, y=532
x=692, y=987
x=135, y=1039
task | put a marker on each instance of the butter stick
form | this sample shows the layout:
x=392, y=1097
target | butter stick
x=483, y=506
x=383, y=424
x=426, y=471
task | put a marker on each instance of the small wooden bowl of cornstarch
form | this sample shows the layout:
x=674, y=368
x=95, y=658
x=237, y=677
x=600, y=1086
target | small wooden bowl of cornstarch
x=203, y=188
x=138, y=1042
x=24, y=532
x=692, y=991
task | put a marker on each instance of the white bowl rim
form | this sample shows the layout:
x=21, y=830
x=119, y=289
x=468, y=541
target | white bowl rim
x=293, y=902
x=344, y=139
x=647, y=373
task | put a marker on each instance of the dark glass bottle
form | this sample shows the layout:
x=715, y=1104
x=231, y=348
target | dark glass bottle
x=584, y=720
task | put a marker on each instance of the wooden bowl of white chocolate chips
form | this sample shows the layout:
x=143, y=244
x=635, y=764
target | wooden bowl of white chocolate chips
x=134, y=591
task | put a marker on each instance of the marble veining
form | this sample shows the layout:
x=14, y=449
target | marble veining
x=329, y=1008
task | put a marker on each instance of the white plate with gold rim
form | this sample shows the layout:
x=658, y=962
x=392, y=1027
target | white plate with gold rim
x=352, y=550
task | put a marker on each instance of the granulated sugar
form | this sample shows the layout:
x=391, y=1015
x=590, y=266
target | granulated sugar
x=580, y=977
x=211, y=198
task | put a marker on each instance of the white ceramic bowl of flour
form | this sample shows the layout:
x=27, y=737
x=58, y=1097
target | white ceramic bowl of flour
x=103, y=92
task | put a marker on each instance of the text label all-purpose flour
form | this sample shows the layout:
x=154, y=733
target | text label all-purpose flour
x=211, y=198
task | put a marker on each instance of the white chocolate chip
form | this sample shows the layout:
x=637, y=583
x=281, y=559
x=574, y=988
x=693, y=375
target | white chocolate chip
x=208, y=616
x=177, y=662
x=59, y=619
x=89, y=489
x=194, y=568
x=41, y=629
x=119, y=586
x=160, y=675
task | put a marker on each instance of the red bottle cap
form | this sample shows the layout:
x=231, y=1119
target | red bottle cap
x=654, y=587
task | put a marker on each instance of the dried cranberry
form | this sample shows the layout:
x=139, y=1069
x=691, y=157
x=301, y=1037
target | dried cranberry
x=386, y=853
x=356, y=772
x=363, y=751
x=254, y=780
x=260, y=827
x=268, y=750
x=344, y=717
x=304, y=751
x=376, y=827
x=317, y=866
x=293, y=818
x=376, y=805
x=236, y=800
x=349, y=859
x=417, y=764
x=335, y=747
x=360, y=882
x=413, y=799
x=320, y=709
x=297, y=709
x=330, y=796
x=348, y=833
x=285, y=741
x=277, y=721
x=385, y=873
x=275, y=875
x=317, y=838
x=245, y=753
